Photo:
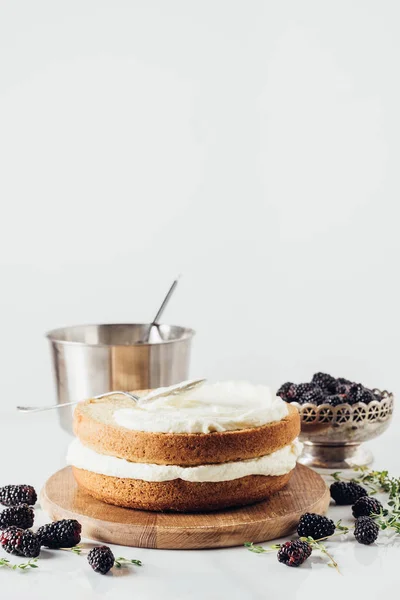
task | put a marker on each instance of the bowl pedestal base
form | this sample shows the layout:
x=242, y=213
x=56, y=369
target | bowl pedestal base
x=320, y=456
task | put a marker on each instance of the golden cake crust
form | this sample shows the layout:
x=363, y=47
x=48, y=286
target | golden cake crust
x=179, y=495
x=185, y=449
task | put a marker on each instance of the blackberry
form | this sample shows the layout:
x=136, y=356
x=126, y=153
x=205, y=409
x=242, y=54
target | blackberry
x=316, y=526
x=60, y=534
x=343, y=381
x=366, y=506
x=366, y=396
x=287, y=391
x=358, y=393
x=20, y=542
x=335, y=400
x=355, y=391
x=302, y=388
x=324, y=381
x=342, y=388
x=21, y=516
x=294, y=553
x=346, y=493
x=366, y=530
x=315, y=396
x=12, y=495
x=101, y=559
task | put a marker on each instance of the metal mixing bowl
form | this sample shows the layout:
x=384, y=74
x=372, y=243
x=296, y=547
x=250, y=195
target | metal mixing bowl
x=332, y=436
x=93, y=359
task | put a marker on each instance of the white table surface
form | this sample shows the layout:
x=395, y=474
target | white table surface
x=33, y=447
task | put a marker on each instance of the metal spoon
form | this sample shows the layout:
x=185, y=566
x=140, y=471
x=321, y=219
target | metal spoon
x=155, y=321
x=170, y=391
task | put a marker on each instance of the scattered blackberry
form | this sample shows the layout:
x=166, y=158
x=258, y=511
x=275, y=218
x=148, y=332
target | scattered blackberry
x=60, y=534
x=324, y=381
x=20, y=542
x=335, y=400
x=315, y=396
x=21, y=516
x=287, y=391
x=316, y=526
x=12, y=495
x=366, y=506
x=346, y=493
x=101, y=559
x=366, y=530
x=294, y=553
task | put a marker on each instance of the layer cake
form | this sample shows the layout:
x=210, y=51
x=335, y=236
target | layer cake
x=216, y=446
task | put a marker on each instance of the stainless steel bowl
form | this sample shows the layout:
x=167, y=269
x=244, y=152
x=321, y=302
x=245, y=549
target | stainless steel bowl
x=332, y=436
x=89, y=360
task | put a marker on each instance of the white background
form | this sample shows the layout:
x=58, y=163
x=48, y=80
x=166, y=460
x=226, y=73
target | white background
x=252, y=146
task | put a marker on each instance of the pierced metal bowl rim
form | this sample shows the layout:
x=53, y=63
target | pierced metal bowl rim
x=386, y=396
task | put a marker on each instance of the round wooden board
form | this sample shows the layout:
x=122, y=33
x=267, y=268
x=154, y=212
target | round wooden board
x=276, y=517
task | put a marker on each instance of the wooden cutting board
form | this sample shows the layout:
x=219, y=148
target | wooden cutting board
x=277, y=517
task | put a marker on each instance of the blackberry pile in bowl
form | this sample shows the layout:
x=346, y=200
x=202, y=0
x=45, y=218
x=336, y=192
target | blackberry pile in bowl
x=337, y=415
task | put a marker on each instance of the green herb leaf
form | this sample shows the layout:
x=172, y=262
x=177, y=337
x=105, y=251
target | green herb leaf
x=118, y=561
x=23, y=566
x=381, y=481
x=256, y=549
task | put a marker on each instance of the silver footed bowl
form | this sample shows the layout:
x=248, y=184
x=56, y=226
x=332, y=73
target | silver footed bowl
x=332, y=435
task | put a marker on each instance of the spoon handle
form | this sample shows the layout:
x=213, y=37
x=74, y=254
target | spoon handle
x=43, y=408
x=174, y=389
x=52, y=407
x=165, y=302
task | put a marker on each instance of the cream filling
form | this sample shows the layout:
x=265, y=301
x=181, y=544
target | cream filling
x=278, y=463
x=224, y=406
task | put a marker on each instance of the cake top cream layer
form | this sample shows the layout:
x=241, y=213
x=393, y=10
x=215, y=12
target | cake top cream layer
x=211, y=407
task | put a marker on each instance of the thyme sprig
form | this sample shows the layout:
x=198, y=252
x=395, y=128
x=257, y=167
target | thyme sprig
x=374, y=481
x=74, y=549
x=118, y=562
x=121, y=561
x=341, y=529
x=315, y=544
x=259, y=549
x=387, y=520
x=31, y=564
x=379, y=482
